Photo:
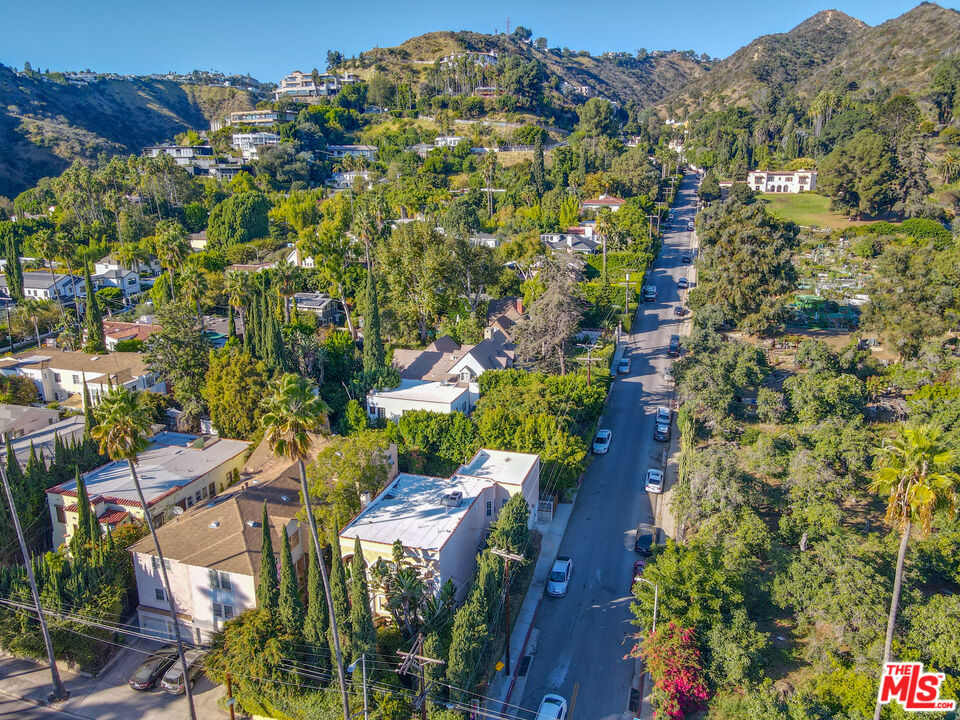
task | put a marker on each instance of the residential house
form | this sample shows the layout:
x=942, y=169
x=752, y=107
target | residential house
x=58, y=374
x=127, y=281
x=307, y=88
x=570, y=242
x=115, y=332
x=44, y=440
x=251, y=267
x=782, y=181
x=323, y=306
x=604, y=201
x=298, y=259
x=249, y=144
x=346, y=180
x=442, y=522
x=254, y=118
x=39, y=285
x=177, y=470
x=450, y=141
x=483, y=59
x=198, y=241
x=213, y=555
x=443, y=376
x=109, y=262
x=19, y=420
x=184, y=155
x=341, y=151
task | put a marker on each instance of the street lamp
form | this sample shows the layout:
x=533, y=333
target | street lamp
x=350, y=668
x=656, y=598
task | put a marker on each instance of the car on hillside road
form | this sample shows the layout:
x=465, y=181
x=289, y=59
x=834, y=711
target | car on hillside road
x=663, y=415
x=601, y=441
x=153, y=668
x=661, y=433
x=173, y=679
x=638, y=567
x=559, y=578
x=690, y=226
x=683, y=283
x=552, y=707
x=679, y=311
x=673, y=350
x=686, y=259
x=654, y=482
x=646, y=538
x=623, y=368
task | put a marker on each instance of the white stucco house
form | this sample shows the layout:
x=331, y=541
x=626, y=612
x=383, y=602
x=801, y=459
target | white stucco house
x=782, y=181
x=39, y=285
x=213, y=554
x=441, y=522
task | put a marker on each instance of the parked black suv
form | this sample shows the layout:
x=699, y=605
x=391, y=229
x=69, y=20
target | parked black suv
x=674, y=349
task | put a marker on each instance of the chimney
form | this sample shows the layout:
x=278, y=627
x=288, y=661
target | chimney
x=519, y=304
x=487, y=333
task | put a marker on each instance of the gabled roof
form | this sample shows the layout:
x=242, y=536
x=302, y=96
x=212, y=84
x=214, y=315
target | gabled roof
x=225, y=534
x=606, y=200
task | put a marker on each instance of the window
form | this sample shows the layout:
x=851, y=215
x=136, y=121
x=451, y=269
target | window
x=189, y=502
x=489, y=508
x=61, y=515
x=224, y=612
x=76, y=379
x=56, y=377
x=503, y=502
x=155, y=562
x=158, y=594
x=212, y=487
x=197, y=496
x=204, y=493
x=220, y=580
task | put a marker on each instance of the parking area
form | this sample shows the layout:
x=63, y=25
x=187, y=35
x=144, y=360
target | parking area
x=109, y=697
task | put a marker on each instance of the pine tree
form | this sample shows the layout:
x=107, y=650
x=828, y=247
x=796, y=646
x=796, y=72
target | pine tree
x=14, y=472
x=341, y=603
x=364, y=639
x=81, y=535
x=289, y=607
x=316, y=625
x=267, y=589
x=373, y=354
x=538, y=175
x=96, y=343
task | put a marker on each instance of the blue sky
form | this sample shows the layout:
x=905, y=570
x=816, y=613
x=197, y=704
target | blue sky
x=267, y=39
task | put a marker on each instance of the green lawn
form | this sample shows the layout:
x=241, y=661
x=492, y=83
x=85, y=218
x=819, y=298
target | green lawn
x=806, y=209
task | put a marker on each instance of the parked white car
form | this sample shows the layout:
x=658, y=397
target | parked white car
x=552, y=707
x=559, y=578
x=654, y=483
x=601, y=442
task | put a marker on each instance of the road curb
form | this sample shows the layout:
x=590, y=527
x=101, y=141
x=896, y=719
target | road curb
x=46, y=704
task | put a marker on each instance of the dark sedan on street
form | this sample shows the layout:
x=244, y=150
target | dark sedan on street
x=149, y=673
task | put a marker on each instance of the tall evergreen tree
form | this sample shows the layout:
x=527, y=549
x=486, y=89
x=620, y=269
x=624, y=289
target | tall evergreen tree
x=538, y=173
x=364, y=640
x=13, y=270
x=373, y=354
x=90, y=420
x=81, y=535
x=96, y=342
x=341, y=602
x=316, y=624
x=289, y=607
x=231, y=324
x=267, y=593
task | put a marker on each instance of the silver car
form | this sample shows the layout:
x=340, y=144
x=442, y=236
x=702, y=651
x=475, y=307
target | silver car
x=559, y=578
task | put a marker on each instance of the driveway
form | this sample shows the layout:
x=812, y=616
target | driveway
x=107, y=697
x=583, y=636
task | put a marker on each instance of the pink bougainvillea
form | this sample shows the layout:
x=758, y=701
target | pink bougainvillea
x=673, y=660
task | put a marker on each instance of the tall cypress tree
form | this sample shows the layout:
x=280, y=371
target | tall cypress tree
x=373, y=354
x=96, y=343
x=81, y=535
x=289, y=606
x=231, y=324
x=341, y=602
x=267, y=589
x=316, y=625
x=364, y=640
x=538, y=174
x=89, y=419
x=13, y=270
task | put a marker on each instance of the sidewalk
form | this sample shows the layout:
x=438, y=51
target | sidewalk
x=523, y=639
x=30, y=681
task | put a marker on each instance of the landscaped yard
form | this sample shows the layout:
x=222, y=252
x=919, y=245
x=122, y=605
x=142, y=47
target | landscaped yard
x=807, y=209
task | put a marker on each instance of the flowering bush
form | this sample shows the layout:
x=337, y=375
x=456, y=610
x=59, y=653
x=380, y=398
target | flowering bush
x=673, y=660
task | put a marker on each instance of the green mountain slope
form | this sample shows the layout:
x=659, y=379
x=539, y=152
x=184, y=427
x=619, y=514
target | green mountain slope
x=771, y=64
x=45, y=125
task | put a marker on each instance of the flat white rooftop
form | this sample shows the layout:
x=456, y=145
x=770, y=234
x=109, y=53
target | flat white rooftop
x=509, y=468
x=410, y=511
x=426, y=392
x=172, y=461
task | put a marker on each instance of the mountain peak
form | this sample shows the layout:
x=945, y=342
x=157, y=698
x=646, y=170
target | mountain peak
x=833, y=21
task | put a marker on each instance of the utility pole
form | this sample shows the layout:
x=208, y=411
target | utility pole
x=590, y=359
x=230, y=698
x=59, y=691
x=415, y=658
x=509, y=557
x=350, y=668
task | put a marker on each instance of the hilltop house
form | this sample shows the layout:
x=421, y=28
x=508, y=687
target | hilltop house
x=109, y=262
x=307, y=88
x=39, y=285
x=442, y=522
x=254, y=118
x=338, y=152
x=213, y=557
x=115, y=332
x=127, y=281
x=604, y=201
x=249, y=144
x=177, y=470
x=782, y=181
x=443, y=376
x=58, y=374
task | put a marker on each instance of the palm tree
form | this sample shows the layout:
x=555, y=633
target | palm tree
x=949, y=167
x=285, y=273
x=238, y=290
x=292, y=411
x=605, y=229
x=915, y=472
x=49, y=247
x=171, y=247
x=123, y=424
x=194, y=285
x=66, y=251
x=31, y=313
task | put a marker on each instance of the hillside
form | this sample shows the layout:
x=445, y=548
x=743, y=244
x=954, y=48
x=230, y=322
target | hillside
x=616, y=76
x=45, y=125
x=898, y=54
x=771, y=64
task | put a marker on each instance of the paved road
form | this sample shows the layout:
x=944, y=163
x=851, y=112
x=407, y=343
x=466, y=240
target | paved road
x=22, y=710
x=582, y=636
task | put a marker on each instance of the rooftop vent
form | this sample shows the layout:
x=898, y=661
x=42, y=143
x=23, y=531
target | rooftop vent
x=452, y=499
x=253, y=523
x=214, y=525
